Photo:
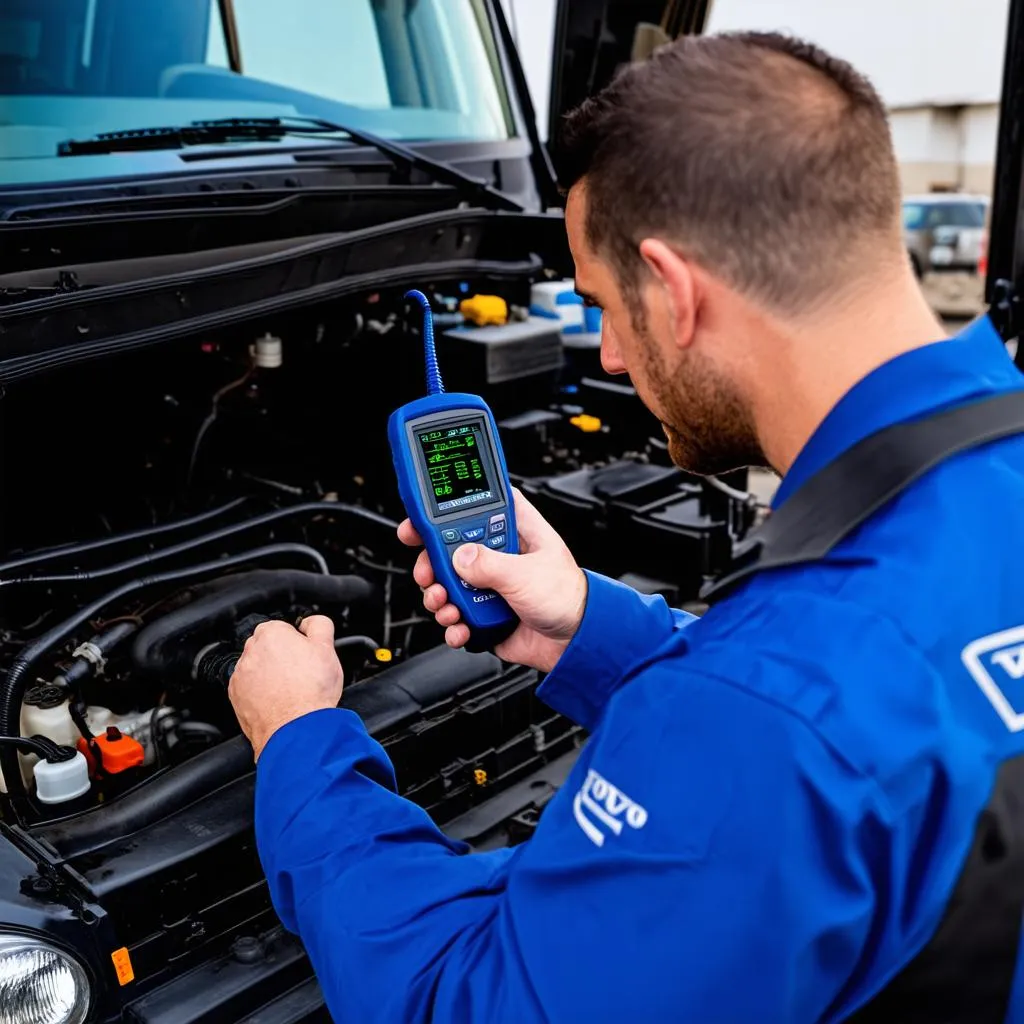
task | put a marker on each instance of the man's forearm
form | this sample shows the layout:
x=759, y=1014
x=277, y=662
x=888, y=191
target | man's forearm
x=379, y=896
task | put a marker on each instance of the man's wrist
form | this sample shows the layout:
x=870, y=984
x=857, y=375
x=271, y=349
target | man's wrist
x=562, y=642
x=264, y=731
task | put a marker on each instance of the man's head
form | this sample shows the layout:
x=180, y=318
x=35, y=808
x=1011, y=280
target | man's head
x=726, y=182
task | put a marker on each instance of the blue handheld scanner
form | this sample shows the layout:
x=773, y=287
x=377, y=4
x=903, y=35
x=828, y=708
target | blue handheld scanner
x=454, y=484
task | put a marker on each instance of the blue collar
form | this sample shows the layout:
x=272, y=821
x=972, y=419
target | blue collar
x=969, y=365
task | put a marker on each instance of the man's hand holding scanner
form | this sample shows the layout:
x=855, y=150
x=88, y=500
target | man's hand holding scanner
x=543, y=585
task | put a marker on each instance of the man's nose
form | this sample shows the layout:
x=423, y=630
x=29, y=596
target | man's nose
x=611, y=359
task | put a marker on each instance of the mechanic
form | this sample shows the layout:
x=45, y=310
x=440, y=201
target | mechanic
x=777, y=800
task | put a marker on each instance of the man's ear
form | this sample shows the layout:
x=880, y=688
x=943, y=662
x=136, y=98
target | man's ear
x=674, y=276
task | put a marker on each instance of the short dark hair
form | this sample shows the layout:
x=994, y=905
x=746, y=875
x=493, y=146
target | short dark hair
x=761, y=157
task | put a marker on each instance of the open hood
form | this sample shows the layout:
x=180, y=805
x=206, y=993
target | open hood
x=595, y=37
x=1005, y=281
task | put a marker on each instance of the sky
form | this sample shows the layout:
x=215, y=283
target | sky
x=915, y=51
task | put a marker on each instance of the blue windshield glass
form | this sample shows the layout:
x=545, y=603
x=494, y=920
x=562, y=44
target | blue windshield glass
x=404, y=69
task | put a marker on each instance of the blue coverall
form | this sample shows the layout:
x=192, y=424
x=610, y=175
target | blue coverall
x=776, y=799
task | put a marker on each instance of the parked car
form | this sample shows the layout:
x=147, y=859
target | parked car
x=945, y=231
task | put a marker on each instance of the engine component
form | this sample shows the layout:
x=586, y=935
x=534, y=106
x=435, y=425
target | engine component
x=267, y=352
x=314, y=508
x=485, y=310
x=169, y=643
x=142, y=726
x=14, y=685
x=514, y=354
x=112, y=752
x=59, y=782
x=161, y=797
x=658, y=515
x=46, y=711
x=147, y=534
x=58, y=774
x=91, y=657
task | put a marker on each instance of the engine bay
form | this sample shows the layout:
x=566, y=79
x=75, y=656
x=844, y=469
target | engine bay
x=162, y=502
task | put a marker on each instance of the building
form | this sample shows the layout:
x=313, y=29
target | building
x=937, y=64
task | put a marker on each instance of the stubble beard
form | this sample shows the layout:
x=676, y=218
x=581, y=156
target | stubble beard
x=708, y=427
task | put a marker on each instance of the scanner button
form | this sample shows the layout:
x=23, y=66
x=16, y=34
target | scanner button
x=450, y=536
x=497, y=541
x=497, y=524
x=474, y=534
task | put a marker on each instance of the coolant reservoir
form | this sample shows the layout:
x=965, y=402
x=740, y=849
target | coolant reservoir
x=46, y=712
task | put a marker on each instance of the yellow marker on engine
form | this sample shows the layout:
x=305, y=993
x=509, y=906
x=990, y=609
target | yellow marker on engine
x=480, y=777
x=383, y=655
x=485, y=310
x=588, y=424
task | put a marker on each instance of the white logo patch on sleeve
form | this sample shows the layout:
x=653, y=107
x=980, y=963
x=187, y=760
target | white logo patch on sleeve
x=996, y=664
x=601, y=809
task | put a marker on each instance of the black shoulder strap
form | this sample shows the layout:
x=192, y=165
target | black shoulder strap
x=848, y=491
x=966, y=972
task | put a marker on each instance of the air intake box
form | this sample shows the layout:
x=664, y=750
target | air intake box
x=638, y=517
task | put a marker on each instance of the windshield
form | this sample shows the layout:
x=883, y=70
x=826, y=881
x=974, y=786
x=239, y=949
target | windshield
x=402, y=69
x=921, y=216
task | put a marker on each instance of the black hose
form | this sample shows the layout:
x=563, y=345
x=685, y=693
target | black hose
x=354, y=640
x=99, y=647
x=204, y=729
x=55, y=554
x=158, y=797
x=307, y=508
x=13, y=688
x=42, y=746
x=170, y=642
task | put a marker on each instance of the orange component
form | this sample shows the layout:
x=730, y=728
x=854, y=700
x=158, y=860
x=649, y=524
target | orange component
x=117, y=751
x=123, y=965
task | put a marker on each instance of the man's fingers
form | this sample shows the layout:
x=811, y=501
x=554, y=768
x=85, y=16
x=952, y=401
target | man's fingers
x=318, y=628
x=435, y=597
x=447, y=615
x=423, y=571
x=407, y=534
x=485, y=569
x=457, y=636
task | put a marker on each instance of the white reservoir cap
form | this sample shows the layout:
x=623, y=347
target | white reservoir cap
x=62, y=781
x=268, y=352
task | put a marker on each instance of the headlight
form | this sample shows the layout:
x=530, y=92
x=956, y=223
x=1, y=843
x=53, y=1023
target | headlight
x=39, y=984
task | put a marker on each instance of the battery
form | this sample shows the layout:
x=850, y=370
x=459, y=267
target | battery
x=480, y=358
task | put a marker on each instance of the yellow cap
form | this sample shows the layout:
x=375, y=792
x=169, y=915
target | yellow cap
x=485, y=309
x=588, y=424
x=480, y=777
x=382, y=654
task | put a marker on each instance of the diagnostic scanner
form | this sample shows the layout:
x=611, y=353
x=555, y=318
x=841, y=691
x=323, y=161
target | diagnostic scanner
x=454, y=484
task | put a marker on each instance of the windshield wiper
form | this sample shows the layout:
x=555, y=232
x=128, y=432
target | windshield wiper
x=266, y=129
